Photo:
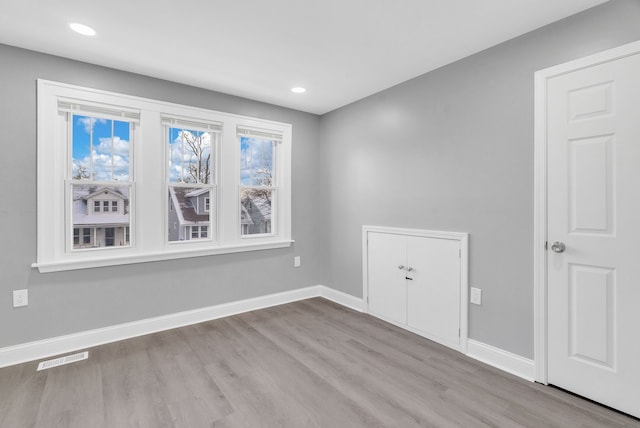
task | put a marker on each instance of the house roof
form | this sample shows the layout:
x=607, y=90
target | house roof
x=197, y=192
x=186, y=211
x=263, y=205
x=103, y=190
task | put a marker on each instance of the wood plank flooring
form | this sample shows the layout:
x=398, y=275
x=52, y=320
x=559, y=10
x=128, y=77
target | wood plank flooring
x=306, y=364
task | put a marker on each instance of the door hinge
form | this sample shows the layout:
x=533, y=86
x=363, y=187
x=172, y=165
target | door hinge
x=460, y=253
x=458, y=332
x=546, y=245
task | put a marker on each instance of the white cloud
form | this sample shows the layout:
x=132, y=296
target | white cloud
x=87, y=123
x=120, y=147
x=102, y=167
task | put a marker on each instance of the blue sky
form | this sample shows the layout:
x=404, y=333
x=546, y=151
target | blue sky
x=256, y=160
x=111, y=147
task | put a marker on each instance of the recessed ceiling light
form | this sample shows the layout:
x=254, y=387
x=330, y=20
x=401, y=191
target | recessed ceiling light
x=298, y=90
x=82, y=29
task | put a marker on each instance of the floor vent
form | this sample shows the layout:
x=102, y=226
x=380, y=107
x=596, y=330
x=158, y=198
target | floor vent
x=63, y=360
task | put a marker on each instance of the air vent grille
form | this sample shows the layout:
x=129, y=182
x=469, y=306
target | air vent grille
x=63, y=360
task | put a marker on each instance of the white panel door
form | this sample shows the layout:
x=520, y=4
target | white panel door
x=433, y=292
x=387, y=290
x=594, y=211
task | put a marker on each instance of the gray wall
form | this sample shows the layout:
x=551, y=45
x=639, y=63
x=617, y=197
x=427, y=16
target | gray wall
x=453, y=150
x=67, y=302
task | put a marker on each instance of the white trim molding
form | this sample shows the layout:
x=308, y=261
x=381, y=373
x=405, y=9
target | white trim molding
x=72, y=342
x=540, y=192
x=341, y=298
x=501, y=359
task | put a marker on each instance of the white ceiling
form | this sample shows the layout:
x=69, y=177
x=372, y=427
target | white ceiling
x=340, y=50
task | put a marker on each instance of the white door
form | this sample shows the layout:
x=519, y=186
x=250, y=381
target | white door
x=593, y=136
x=433, y=292
x=387, y=255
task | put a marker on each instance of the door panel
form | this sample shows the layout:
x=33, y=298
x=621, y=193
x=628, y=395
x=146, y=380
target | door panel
x=433, y=294
x=594, y=209
x=387, y=290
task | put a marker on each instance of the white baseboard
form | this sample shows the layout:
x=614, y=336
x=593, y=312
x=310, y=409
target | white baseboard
x=341, y=298
x=72, y=342
x=501, y=359
x=31, y=351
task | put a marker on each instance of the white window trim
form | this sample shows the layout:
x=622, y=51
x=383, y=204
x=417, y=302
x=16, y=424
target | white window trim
x=149, y=217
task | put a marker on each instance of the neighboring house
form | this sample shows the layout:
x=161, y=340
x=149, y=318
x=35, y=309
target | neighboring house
x=258, y=209
x=245, y=220
x=188, y=213
x=100, y=219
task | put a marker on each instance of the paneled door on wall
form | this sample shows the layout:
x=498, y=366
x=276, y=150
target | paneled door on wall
x=593, y=232
x=414, y=282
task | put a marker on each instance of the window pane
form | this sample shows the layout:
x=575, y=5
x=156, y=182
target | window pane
x=255, y=211
x=190, y=156
x=256, y=161
x=187, y=214
x=100, y=149
x=100, y=228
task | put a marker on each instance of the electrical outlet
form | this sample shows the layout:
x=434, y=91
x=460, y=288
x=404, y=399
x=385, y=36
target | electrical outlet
x=296, y=261
x=20, y=298
x=476, y=296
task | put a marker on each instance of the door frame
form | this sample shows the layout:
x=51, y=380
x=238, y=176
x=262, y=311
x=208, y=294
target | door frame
x=540, y=252
x=462, y=238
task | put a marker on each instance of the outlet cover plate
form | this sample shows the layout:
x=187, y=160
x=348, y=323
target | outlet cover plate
x=20, y=298
x=296, y=261
x=476, y=296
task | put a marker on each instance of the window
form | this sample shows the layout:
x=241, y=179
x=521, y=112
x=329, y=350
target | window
x=99, y=174
x=258, y=183
x=199, y=232
x=191, y=176
x=100, y=186
x=86, y=235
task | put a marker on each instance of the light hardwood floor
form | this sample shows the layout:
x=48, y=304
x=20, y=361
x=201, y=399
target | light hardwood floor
x=309, y=363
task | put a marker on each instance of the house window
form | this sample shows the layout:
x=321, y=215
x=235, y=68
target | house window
x=95, y=185
x=198, y=232
x=86, y=235
x=258, y=182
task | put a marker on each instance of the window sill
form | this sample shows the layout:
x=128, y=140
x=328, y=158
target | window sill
x=65, y=265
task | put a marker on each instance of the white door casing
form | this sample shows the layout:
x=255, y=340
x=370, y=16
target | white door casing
x=588, y=198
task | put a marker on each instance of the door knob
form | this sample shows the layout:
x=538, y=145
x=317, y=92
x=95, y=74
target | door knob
x=558, y=247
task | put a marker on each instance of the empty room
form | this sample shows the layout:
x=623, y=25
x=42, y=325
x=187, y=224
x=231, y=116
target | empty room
x=327, y=214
